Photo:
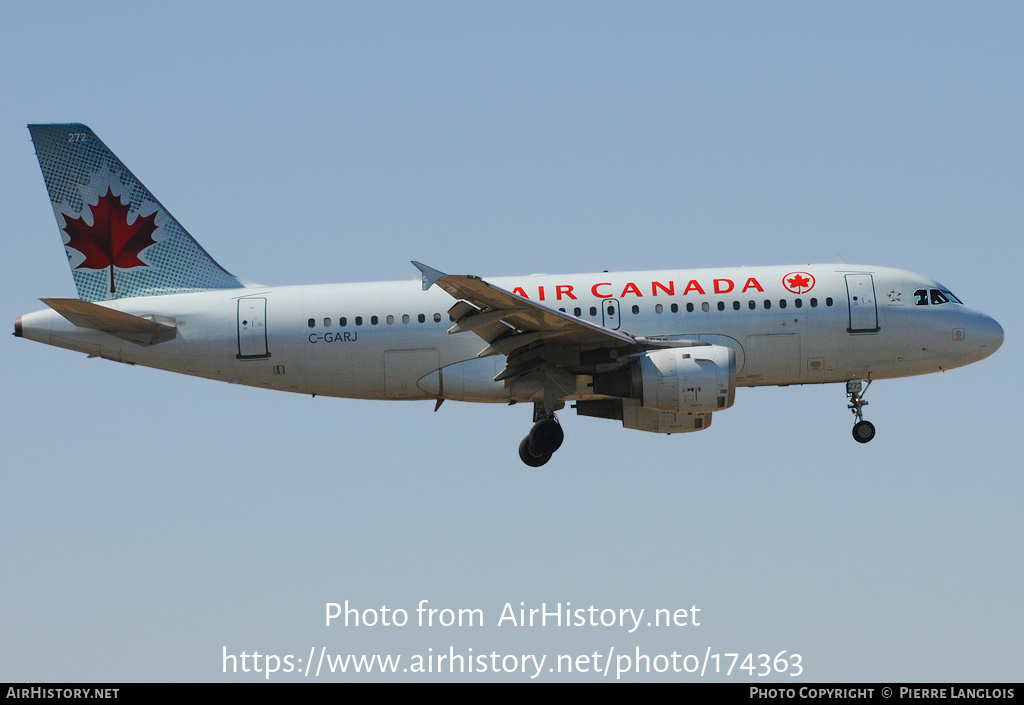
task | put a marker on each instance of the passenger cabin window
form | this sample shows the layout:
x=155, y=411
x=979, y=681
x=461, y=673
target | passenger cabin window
x=311, y=323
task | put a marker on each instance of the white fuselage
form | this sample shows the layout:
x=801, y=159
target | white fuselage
x=387, y=340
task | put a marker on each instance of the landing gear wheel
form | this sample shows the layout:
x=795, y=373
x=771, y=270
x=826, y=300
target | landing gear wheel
x=530, y=455
x=546, y=436
x=863, y=431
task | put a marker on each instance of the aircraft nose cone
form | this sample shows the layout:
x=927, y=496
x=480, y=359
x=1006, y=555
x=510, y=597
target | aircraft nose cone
x=990, y=336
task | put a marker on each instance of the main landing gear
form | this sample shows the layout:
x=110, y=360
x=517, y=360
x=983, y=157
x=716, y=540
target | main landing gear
x=863, y=431
x=544, y=438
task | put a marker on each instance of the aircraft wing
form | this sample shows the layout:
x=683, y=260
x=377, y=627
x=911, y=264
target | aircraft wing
x=530, y=334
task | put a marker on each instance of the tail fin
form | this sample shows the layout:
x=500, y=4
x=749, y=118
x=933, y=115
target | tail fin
x=120, y=241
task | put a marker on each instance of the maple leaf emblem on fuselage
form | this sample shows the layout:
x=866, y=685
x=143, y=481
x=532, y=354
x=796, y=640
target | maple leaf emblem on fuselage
x=111, y=241
x=798, y=282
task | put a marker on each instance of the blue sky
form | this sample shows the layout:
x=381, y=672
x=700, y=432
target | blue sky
x=149, y=521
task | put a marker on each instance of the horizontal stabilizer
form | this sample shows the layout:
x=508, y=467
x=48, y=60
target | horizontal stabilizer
x=148, y=330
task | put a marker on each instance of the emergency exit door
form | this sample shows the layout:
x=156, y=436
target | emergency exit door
x=610, y=313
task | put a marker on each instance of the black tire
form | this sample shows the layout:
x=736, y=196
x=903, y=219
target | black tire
x=529, y=455
x=863, y=431
x=546, y=436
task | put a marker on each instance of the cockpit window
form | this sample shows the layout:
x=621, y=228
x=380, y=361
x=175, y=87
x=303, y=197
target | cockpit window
x=922, y=297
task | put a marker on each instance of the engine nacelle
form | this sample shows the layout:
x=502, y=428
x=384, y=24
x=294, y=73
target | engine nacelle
x=690, y=380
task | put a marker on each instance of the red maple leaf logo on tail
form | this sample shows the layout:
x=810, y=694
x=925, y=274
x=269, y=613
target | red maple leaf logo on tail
x=111, y=241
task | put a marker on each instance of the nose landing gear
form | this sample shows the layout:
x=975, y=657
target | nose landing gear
x=544, y=438
x=863, y=431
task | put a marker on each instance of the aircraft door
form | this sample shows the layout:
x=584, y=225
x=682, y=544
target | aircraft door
x=610, y=313
x=860, y=289
x=252, y=328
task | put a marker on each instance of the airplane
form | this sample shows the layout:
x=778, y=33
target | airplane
x=659, y=351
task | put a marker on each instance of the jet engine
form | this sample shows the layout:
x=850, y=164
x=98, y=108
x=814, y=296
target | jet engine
x=690, y=380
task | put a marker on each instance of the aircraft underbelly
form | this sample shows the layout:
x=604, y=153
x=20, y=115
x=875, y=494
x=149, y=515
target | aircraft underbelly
x=404, y=368
x=772, y=359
